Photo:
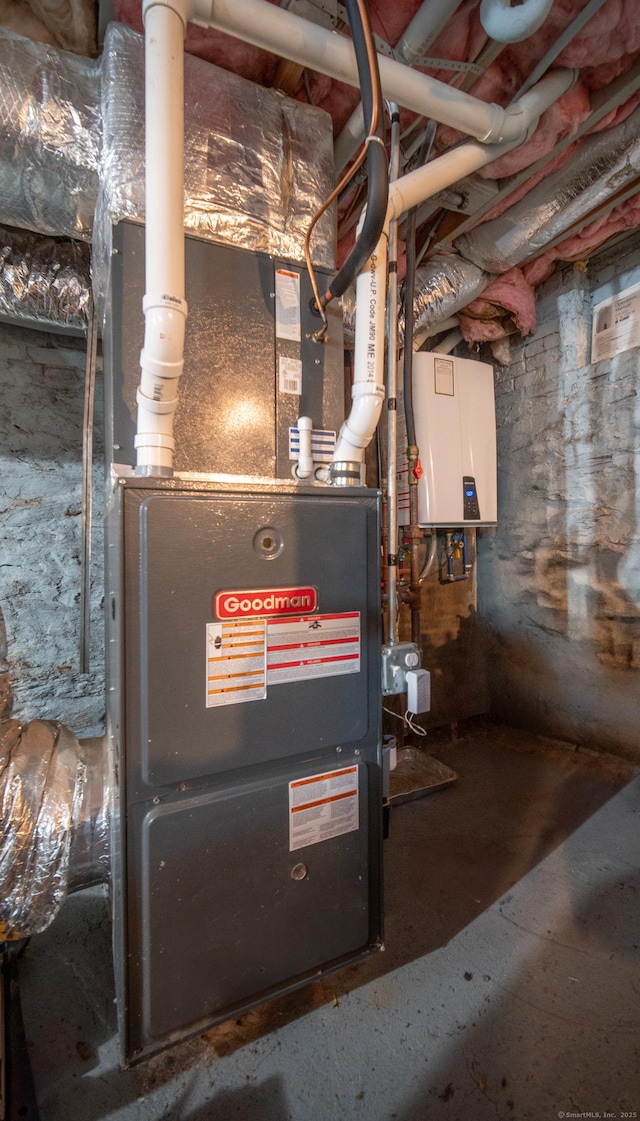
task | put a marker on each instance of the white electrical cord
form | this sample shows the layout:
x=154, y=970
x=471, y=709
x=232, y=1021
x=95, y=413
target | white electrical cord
x=408, y=718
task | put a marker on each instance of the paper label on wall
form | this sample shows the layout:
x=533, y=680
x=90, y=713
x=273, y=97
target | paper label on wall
x=236, y=662
x=323, y=806
x=288, y=305
x=290, y=375
x=323, y=443
x=616, y=324
x=313, y=646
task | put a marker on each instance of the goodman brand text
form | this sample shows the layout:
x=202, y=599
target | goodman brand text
x=260, y=602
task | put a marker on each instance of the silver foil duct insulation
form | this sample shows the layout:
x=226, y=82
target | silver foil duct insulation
x=444, y=285
x=257, y=164
x=44, y=282
x=48, y=789
x=50, y=138
x=89, y=854
x=603, y=165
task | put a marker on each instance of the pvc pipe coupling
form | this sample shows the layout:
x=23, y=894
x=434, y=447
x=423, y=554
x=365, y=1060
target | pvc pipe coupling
x=161, y=362
x=359, y=427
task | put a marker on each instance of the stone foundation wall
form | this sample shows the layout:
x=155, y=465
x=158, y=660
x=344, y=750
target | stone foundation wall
x=559, y=579
x=42, y=390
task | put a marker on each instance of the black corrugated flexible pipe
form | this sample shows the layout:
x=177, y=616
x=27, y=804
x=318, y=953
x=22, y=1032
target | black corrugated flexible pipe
x=377, y=162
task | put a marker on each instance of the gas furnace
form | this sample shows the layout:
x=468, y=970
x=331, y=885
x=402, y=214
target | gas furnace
x=244, y=667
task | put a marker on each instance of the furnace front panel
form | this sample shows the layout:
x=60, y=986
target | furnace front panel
x=244, y=628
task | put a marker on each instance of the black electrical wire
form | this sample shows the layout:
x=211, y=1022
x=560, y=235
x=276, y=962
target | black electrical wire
x=377, y=160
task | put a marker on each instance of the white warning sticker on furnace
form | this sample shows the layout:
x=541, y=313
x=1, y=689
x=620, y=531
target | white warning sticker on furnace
x=323, y=806
x=288, y=305
x=313, y=646
x=236, y=662
x=290, y=375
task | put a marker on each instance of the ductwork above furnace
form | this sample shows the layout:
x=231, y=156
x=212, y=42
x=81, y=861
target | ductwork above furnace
x=257, y=164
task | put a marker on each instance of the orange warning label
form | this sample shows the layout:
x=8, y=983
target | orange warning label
x=236, y=662
x=323, y=806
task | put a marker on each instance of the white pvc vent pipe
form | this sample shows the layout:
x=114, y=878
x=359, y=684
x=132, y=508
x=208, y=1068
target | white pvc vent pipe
x=277, y=30
x=368, y=390
x=405, y=193
x=426, y=181
x=305, y=465
x=507, y=24
x=165, y=309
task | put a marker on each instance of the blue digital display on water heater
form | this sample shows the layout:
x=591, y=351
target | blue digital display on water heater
x=470, y=499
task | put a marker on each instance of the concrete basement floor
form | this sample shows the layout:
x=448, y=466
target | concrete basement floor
x=510, y=987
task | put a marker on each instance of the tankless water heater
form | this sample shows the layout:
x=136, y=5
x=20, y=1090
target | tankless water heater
x=454, y=407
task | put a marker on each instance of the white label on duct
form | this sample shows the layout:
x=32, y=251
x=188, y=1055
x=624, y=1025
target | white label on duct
x=313, y=646
x=323, y=443
x=443, y=371
x=290, y=375
x=288, y=305
x=323, y=806
x=236, y=662
x=616, y=324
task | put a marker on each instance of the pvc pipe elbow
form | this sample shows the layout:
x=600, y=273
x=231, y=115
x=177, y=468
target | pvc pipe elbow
x=505, y=24
x=189, y=11
x=522, y=117
x=359, y=427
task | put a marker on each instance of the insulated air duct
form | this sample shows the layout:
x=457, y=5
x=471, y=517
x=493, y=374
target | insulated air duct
x=44, y=282
x=604, y=164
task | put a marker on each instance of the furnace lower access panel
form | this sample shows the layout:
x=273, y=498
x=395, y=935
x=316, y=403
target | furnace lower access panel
x=244, y=721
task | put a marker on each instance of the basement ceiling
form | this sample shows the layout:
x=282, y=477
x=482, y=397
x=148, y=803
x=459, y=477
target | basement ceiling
x=604, y=48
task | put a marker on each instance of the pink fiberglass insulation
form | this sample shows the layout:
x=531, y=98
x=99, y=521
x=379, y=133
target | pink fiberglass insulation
x=625, y=216
x=506, y=305
x=615, y=117
x=599, y=39
x=560, y=121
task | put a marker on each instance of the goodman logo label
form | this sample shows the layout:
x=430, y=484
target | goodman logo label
x=258, y=602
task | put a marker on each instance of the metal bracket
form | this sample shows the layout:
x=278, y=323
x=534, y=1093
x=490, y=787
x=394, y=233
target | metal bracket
x=448, y=64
